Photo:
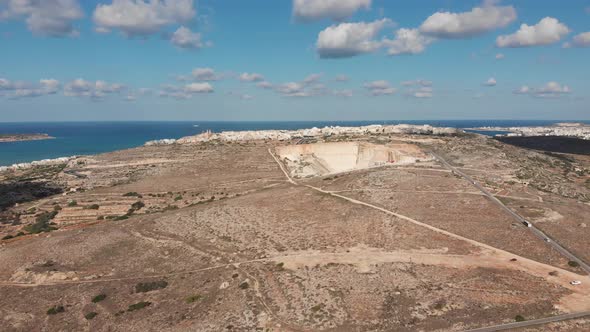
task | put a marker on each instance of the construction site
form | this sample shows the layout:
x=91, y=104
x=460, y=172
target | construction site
x=373, y=231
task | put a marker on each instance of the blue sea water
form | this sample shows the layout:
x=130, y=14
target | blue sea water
x=84, y=138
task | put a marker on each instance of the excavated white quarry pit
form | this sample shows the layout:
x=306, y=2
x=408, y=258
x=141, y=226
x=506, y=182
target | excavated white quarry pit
x=319, y=159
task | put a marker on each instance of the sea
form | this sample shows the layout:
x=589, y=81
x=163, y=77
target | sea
x=87, y=138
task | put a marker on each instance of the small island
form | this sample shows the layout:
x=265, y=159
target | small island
x=23, y=137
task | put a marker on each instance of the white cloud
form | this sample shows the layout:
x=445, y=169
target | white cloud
x=500, y=56
x=265, y=85
x=202, y=87
x=17, y=90
x=579, y=40
x=421, y=82
x=292, y=89
x=185, y=92
x=468, y=24
x=94, y=90
x=205, y=74
x=47, y=17
x=490, y=82
x=549, y=90
x=350, y=39
x=141, y=18
x=548, y=31
x=407, y=41
x=312, y=78
x=423, y=92
x=380, y=88
x=342, y=93
x=185, y=38
x=312, y=10
x=251, y=77
x=341, y=78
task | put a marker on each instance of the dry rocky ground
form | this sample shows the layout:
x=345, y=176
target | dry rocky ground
x=212, y=237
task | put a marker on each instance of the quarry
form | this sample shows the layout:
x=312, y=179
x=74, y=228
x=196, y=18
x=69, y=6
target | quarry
x=356, y=230
x=308, y=160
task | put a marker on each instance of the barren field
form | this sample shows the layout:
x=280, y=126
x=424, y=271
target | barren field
x=218, y=236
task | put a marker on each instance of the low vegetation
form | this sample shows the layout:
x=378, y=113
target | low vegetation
x=139, y=305
x=144, y=287
x=132, y=194
x=90, y=315
x=55, y=310
x=193, y=298
x=99, y=298
x=42, y=223
x=573, y=264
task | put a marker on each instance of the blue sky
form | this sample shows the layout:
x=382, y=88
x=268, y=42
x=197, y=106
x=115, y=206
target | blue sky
x=68, y=60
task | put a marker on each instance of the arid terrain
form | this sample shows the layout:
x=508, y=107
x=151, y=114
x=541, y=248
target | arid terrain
x=358, y=233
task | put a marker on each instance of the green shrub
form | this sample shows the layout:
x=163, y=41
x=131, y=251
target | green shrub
x=519, y=318
x=72, y=203
x=55, y=310
x=132, y=194
x=123, y=217
x=56, y=207
x=7, y=237
x=92, y=207
x=139, y=305
x=193, y=298
x=42, y=223
x=143, y=287
x=99, y=298
x=90, y=315
x=137, y=205
x=178, y=198
x=573, y=264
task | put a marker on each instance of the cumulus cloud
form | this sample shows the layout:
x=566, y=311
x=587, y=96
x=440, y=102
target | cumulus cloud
x=312, y=78
x=142, y=18
x=292, y=89
x=342, y=93
x=48, y=17
x=380, y=88
x=251, y=77
x=341, y=78
x=205, y=74
x=407, y=41
x=185, y=92
x=350, y=39
x=423, y=92
x=420, y=82
x=548, y=31
x=265, y=85
x=500, y=56
x=201, y=87
x=490, y=82
x=580, y=40
x=549, y=90
x=17, y=90
x=478, y=21
x=94, y=90
x=313, y=10
x=184, y=38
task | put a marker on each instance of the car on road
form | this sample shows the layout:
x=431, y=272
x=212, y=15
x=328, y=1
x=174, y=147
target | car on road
x=547, y=239
x=575, y=282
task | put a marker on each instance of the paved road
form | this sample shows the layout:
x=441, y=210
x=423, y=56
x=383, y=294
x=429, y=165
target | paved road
x=531, y=322
x=537, y=232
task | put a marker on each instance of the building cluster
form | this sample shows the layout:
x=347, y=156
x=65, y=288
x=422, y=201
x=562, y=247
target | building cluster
x=44, y=162
x=285, y=135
